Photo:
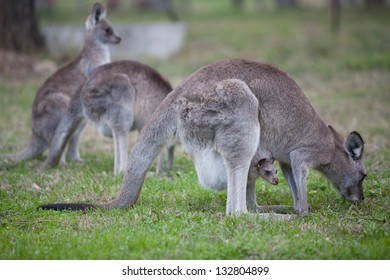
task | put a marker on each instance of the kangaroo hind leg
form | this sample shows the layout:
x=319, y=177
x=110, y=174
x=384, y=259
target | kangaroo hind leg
x=73, y=146
x=67, y=127
x=237, y=139
x=237, y=157
x=120, y=125
x=160, y=160
x=120, y=142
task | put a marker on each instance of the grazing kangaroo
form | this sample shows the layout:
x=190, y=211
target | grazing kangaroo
x=54, y=96
x=224, y=114
x=117, y=97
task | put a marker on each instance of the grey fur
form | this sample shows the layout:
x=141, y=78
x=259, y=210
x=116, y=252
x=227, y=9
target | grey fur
x=265, y=169
x=224, y=114
x=121, y=97
x=57, y=92
x=117, y=97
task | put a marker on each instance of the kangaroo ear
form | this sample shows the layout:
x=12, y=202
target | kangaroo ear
x=354, y=145
x=98, y=13
x=261, y=162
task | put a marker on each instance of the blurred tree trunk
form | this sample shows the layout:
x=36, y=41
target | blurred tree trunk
x=374, y=3
x=19, y=27
x=335, y=10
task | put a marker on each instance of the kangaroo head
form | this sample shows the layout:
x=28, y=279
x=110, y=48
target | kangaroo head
x=347, y=170
x=267, y=170
x=99, y=27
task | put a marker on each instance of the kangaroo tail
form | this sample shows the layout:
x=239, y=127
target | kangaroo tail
x=158, y=131
x=70, y=206
x=34, y=149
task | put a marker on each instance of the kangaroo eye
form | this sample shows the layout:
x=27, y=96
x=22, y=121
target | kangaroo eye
x=267, y=172
x=109, y=31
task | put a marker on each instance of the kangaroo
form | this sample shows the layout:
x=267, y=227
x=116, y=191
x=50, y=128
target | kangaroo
x=225, y=113
x=265, y=169
x=54, y=96
x=117, y=97
x=262, y=166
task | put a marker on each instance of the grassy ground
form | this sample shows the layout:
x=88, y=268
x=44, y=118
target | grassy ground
x=345, y=76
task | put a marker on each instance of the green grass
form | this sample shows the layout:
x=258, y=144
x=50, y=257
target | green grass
x=345, y=76
x=176, y=219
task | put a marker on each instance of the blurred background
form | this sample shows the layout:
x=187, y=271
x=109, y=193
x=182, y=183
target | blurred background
x=337, y=50
x=293, y=34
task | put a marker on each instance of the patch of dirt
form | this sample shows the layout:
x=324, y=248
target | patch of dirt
x=16, y=66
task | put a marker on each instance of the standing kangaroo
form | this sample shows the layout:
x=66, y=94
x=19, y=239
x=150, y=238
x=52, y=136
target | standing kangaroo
x=117, y=97
x=54, y=96
x=224, y=114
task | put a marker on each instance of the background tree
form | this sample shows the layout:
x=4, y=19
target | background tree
x=19, y=27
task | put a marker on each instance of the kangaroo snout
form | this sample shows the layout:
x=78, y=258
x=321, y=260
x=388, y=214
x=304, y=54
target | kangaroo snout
x=354, y=194
x=354, y=198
